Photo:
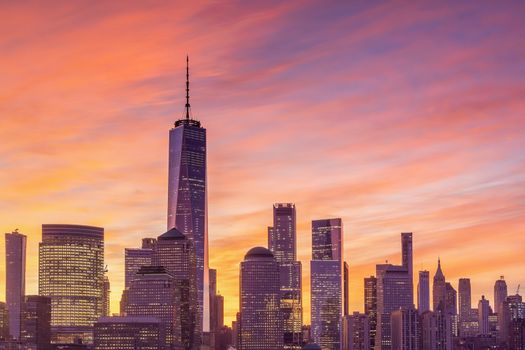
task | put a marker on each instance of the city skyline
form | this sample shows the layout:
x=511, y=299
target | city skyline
x=106, y=165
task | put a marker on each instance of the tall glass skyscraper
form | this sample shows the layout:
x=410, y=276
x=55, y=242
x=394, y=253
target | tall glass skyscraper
x=71, y=274
x=261, y=324
x=15, y=275
x=187, y=195
x=282, y=242
x=423, y=292
x=326, y=269
x=135, y=258
x=394, y=291
x=371, y=306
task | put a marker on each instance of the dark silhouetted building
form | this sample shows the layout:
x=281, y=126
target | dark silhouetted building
x=326, y=271
x=261, y=324
x=282, y=242
x=36, y=322
x=4, y=322
x=439, y=288
x=15, y=279
x=71, y=274
x=483, y=316
x=371, y=307
x=500, y=294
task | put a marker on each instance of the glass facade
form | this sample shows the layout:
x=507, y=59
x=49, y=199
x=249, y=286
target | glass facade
x=71, y=274
x=261, y=325
x=423, y=292
x=355, y=332
x=371, y=306
x=134, y=259
x=36, y=322
x=15, y=249
x=326, y=283
x=282, y=243
x=187, y=202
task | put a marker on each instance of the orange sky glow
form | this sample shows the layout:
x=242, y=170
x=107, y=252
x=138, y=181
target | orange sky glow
x=393, y=116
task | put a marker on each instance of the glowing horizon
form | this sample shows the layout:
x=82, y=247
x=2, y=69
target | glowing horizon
x=394, y=117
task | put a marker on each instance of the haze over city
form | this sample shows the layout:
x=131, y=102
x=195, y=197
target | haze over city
x=394, y=117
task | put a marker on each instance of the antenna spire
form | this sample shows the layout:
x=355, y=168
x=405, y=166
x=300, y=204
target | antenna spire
x=187, y=87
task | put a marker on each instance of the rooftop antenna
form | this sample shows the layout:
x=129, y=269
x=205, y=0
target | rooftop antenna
x=187, y=87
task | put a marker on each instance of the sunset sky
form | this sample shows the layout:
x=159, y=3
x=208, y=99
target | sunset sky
x=395, y=116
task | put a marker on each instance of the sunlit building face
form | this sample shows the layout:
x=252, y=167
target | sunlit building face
x=71, y=274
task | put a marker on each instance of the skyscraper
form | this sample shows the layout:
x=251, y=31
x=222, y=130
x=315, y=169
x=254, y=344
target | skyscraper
x=407, y=256
x=135, y=258
x=464, y=304
x=106, y=300
x=483, y=316
x=187, y=195
x=405, y=329
x=15, y=275
x=371, y=306
x=346, y=287
x=261, y=324
x=4, y=322
x=439, y=288
x=282, y=243
x=436, y=330
x=394, y=291
x=175, y=252
x=36, y=322
x=326, y=270
x=152, y=294
x=500, y=294
x=71, y=274
x=423, y=292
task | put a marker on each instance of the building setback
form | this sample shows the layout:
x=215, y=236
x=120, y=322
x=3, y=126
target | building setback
x=71, y=274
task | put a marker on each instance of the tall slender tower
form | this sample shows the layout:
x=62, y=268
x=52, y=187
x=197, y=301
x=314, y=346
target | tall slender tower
x=283, y=245
x=15, y=275
x=438, y=288
x=423, y=292
x=500, y=295
x=326, y=269
x=187, y=195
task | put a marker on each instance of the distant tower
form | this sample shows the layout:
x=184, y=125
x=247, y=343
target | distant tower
x=135, y=258
x=261, y=324
x=483, y=316
x=438, y=288
x=407, y=256
x=464, y=304
x=187, y=195
x=394, y=291
x=423, y=292
x=326, y=269
x=106, y=300
x=71, y=274
x=371, y=306
x=15, y=275
x=500, y=294
x=282, y=243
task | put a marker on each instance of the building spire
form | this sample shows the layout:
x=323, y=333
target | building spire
x=187, y=87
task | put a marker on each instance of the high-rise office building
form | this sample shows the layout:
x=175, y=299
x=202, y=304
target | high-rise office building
x=282, y=242
x=4, y=322
x=517, y=335
x=500, y=294
x=439, y=288
x=187, y=196
x=407, y=255
x=405, y=329
x=261, y=324
x=423, y=292
x=71, y=274
x=129, y=333
x=451, y=308
x=135, y=258
x=436, y=330
x=464, y=305
x=175, y=252
x=15, y=279
x=152, y=293
x=394, y=291
x=483, y=316
x=371, y=306
x=512, y=309
x=355, y=332
x=36, y=322
x=326, y=269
